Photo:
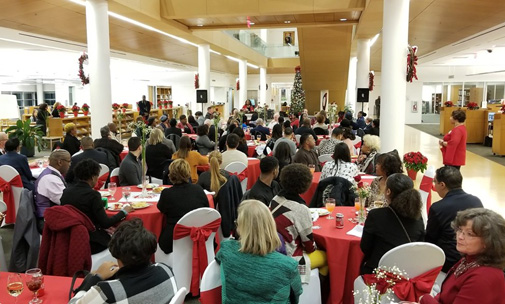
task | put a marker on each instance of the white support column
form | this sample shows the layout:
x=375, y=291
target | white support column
x=97, y=28
x=393, y=81
x=204, y=66
x=363, y=68
x=242, y=78
x=263, y=86
x=40, y=91
x=351, y=85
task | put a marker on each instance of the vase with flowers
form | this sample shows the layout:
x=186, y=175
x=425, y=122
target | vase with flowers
x=380, y=285
x=165, y=103
x=170, y=104
x=75, y=109
x=144, y=131
x=115, y=107
x=448, y=104
x=415, y=162
x=472, y=106
x=61, y=110
x=362, y=192
x=85, y=109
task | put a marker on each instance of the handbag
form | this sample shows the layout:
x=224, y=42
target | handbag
x=77, y=274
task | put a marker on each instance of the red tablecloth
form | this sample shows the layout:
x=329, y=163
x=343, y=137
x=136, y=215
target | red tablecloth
x=123, y=154
x=192, y=136
x=251, y=150
x=253, y=171
x=151, y=216
x=343, y=252
x=55, y=289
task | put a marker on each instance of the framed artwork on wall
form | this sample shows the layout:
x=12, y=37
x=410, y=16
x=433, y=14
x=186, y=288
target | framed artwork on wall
x=414, y=106
x=289, y=38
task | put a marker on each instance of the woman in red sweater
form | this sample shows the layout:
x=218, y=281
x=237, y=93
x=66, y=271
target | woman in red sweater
x=478, y=276
x=453, y=145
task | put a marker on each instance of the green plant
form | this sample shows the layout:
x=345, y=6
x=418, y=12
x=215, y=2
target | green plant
x=27, y=135
x=415, y=161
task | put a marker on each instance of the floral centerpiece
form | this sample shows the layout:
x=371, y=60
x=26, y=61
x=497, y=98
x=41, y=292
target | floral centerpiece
x=362, y=191
x=379, y=285
x=216, y=118
x=165, y=103
x=448, y=104
x=75, y=109
x=333, y=113
x=414, y=162
x=85, y=109
x=472, y=106
x=62, y=110
x=170, y=104
x=115, y=106
x=144, y=134
x=124, y=106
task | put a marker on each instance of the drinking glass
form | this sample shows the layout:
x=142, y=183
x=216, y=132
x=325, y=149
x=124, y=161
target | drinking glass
x=258, y=137
x=40, y=163
x=126, y=193
x=330, y=206
x=34, y=281
x=312, y=168
x=112, y=190
x=14, y=285
x=357, y=204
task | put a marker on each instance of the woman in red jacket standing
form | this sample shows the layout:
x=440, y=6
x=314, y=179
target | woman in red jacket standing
x=453, y=145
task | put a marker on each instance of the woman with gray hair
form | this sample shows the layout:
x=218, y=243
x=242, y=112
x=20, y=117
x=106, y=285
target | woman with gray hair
x=478, y=276
x=369, y=150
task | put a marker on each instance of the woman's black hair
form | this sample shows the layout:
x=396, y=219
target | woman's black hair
x=240, y=134
x=342, y=152
x=192, y=120
x=203, y=130
x=86, y=169
x=348, y=134
x=277, y=131
x=405, y=200
x=390, y=163
x=283, y=153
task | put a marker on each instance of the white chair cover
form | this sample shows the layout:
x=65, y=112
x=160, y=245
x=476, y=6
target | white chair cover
x=425, y=191
x=104, y=170
x=8, y=173
x=311, y=292
x=114, y=176
x=237, y=167
x=325, y=158
x=297, y=137
x=211, y=278
x=179, y=296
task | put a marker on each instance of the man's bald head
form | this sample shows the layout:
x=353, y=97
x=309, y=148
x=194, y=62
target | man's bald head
x=112, y=127
x=87, y=143
x=60, y=160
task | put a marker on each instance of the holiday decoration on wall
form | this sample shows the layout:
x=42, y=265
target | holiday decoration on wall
x=411, y=63
x=297, y=94
x=238, y=85
x=197, y=81
x=371, y=77
x=82, y=76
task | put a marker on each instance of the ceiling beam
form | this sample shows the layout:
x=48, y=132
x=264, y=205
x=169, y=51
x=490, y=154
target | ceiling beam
x=270, y=25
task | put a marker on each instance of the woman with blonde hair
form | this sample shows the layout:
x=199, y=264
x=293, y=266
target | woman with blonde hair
x=71, y=143
x=157, y=154
x=213, y=179
x=55, y=112
x=178, y=200
x=192, y=157
x=253, y=261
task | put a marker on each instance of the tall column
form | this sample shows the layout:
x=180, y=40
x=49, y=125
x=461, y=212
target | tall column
x=263, y=86
x=40, y=91
x=97, y=28
x=393, y=81
x=351, y=86
x=204, y=66
x=242, y=78
x=363, y=68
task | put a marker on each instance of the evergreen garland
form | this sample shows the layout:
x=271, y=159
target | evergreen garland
x=297, y=94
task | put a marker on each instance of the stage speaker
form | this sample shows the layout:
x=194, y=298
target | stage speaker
x=363, y=94
x=201, y=96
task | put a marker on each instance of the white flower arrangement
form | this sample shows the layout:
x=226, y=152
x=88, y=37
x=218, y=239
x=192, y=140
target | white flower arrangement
x=381, y=290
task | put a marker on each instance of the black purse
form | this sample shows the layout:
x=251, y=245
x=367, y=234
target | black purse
x=78, y=274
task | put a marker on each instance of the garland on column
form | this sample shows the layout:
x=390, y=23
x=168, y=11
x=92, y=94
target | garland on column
x=297, y=94
x=238, y=85
x=371, y=77
x=82, y=76
x=411, y=63
x=197, y=81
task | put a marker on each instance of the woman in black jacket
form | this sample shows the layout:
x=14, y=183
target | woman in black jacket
x=242, y=145
x=71, y=143
x=157, y=154
x=42, y=115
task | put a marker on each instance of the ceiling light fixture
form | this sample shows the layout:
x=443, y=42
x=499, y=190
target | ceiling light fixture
x=199, y=25
x=374, y=39
x=343, y=19
x=287, y=21
x=233, y=58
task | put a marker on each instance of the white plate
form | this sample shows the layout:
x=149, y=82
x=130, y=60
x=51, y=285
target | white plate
x=149, y=186
x=111, y=207
x=321, y=212
x=104, y=193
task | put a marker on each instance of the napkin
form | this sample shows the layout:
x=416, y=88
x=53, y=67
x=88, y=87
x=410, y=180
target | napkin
x=208, y=192
x=315, y=216
x=356, y=231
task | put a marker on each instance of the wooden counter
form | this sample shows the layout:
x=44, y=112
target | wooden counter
x=499, y=134
x=445, y=121
x=56, y=125
x=476, y=125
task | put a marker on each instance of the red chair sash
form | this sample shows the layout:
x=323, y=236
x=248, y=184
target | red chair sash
x=426, y=186
x=212, y=296
x=114, y=179
x=101, y=181
x=5, y=187
x=199, y=235
x=241, y=176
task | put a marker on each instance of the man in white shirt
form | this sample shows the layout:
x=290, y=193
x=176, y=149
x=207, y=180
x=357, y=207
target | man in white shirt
x=50, y=184
x=232, y=154
x=3, y=140
x=274, y=121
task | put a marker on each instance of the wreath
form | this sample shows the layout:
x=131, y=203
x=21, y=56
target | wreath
x=238, y=85
x=370, y=81
x=411, y=63
x=84, y=78
x=197, y=81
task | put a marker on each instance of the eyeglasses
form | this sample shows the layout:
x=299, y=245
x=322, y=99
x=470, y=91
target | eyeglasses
x=67, y=160
x=465, y=234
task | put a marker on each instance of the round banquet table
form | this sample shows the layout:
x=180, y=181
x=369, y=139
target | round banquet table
x=253, y=171
x=151, y=216
x=55, y=289
x=320, y=138
x=192, y=136
x=343, y=252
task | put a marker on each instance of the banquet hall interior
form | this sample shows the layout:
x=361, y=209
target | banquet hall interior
x=233, y=51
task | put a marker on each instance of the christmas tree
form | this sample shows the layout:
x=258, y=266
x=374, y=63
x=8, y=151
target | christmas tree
x=297, y=94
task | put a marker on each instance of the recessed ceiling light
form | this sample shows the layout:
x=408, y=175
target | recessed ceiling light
x=287, y=21
x=252, y=23
x=343, y=19
x=199, y=25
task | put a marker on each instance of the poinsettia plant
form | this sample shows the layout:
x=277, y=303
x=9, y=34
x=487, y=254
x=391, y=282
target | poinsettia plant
x=115, y=106
x=126, y=105
x=472, y=106
x=61, y=109
x=165, y=102
x=85, y=107
x=448, y=103
x=75, y=108
x=415, y=161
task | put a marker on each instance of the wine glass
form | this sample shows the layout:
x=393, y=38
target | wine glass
x=112, y=190
x=330, y=205
x=258, y=137
x=14, y=285
x=312, y=169
x=126, y=193
x=40, y=163
x=34, y=281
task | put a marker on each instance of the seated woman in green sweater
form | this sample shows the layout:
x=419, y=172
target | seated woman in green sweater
x=252, y=271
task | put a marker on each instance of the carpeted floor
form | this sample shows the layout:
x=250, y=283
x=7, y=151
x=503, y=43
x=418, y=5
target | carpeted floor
x=433, y=129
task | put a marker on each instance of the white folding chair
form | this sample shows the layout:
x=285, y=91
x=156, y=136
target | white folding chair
x=425, y=191
x=103, y=175
x=237, y=167
x=179, y=296
x=183, y=247
x=297, y=137
x=311, y=292
x=3, y=263
x=8, y=173
x=210, y=286
x=325, y=158
x=98, y=258
x=114, y=176
x=413, y=258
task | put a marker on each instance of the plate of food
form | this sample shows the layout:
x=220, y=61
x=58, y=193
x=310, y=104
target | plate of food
x=321, y=212
x=148, y=186
x=115, y=206
x=104, y=193
x=140, y=205
x=158, y=189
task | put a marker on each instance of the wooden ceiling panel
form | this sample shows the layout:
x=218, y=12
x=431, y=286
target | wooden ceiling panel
x=304, y=18
x=324, y=17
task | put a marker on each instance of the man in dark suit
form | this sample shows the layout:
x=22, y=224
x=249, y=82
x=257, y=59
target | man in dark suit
x=448, y=182
x=3, y=139
x=18, y=162
x=130, y=171
x=173, y=129
x=305, y=128
x=88, y=151
x=114, y=147
x=260, y=129
x=144, y=107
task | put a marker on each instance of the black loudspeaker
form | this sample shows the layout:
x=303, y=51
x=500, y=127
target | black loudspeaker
x=201, y=96
x=363, y=94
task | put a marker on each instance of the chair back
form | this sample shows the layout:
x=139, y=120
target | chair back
x=321, y=131
x=325, y=158
x=297, y=137
x=425, y=191
x=414, y=258
x=3, y=206
x=102, y=177
x=175, y=139
x=179, y=296
x=183, y=247
x=210, y=287
x=8, y=174
x=114, y=176
x=237, y=167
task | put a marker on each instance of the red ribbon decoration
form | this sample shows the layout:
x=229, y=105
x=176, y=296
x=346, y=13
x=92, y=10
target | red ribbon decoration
x=241, y=176
x=199, y=236
x=6, y=188
x=101, y=181
x=405, y=289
